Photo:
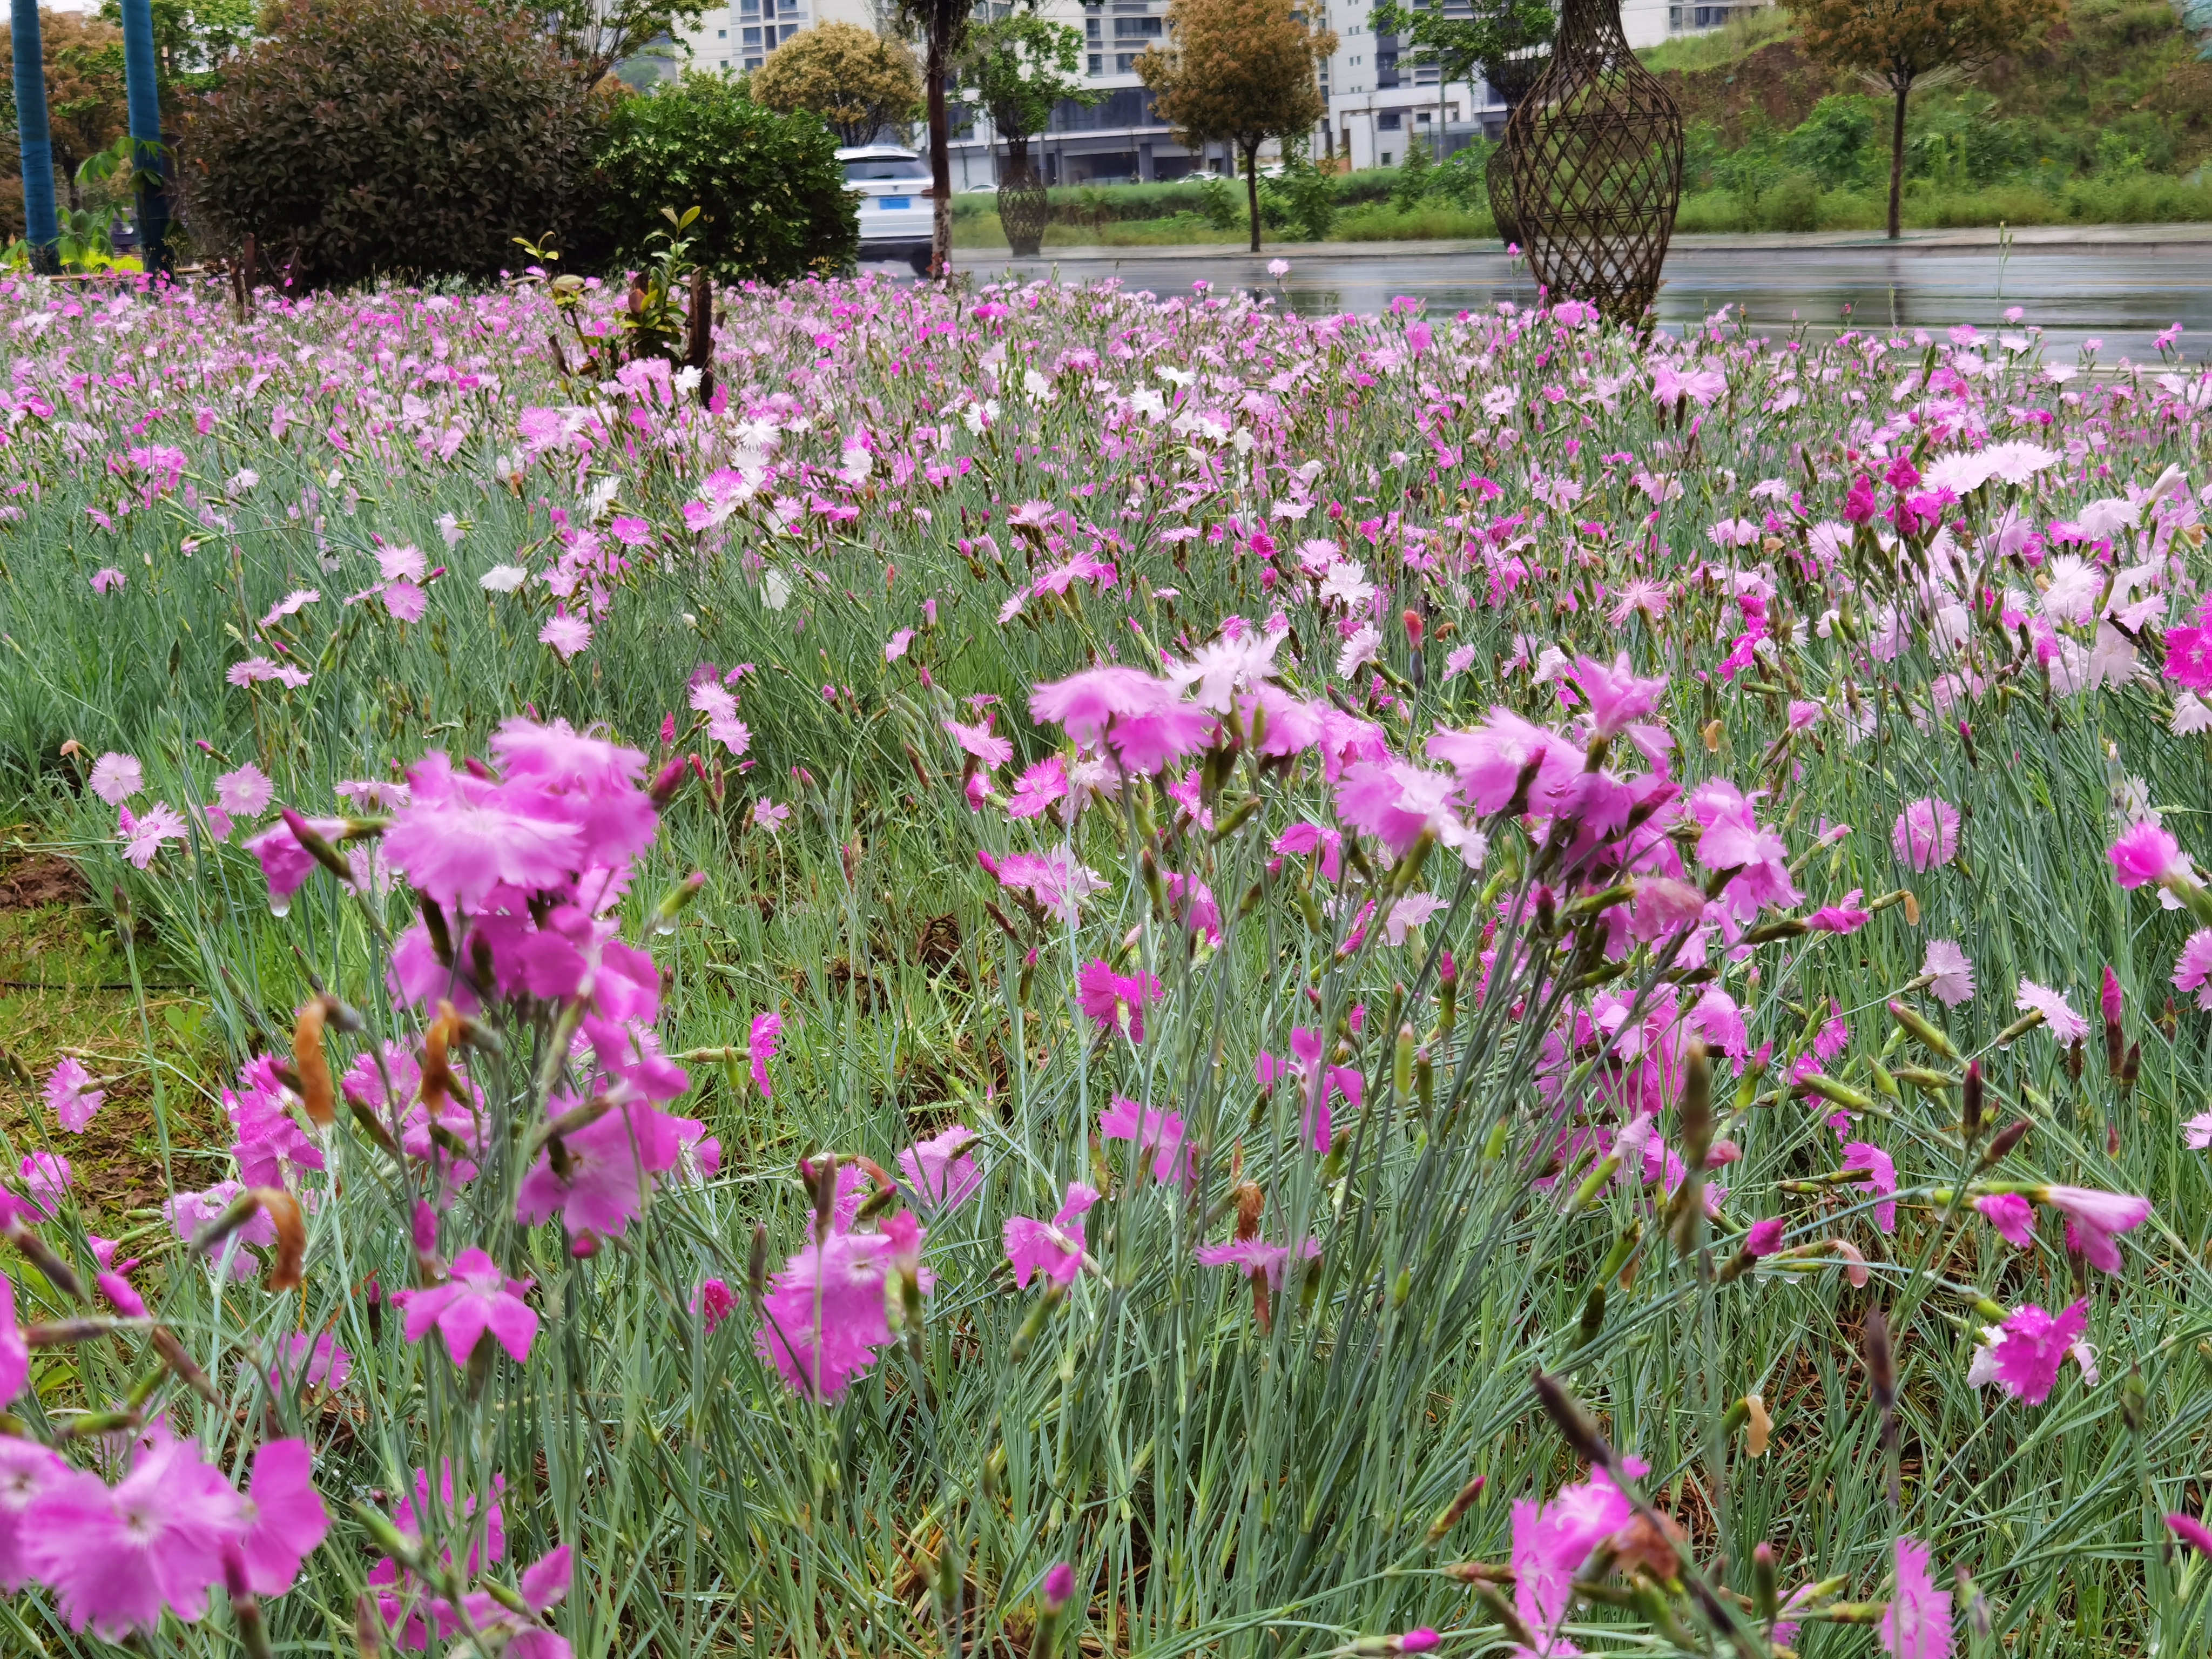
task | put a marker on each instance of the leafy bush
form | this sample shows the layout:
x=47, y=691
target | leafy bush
x=1839, y=142
x=772, y=198
x=363, y=136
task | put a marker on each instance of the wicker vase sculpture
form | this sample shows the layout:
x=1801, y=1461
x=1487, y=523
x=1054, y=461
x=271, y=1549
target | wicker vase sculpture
x=1595, y=153
x=1511, y=78
x=1023, y=207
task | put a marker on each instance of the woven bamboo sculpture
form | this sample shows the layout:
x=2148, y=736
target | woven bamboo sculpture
x=1511, y=78
x=1022, y=206
x=1595, y=154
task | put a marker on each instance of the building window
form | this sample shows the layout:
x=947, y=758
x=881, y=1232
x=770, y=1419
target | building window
x=1124, y=63
x=1091, y=29
x=752, y=63
x=721, y=34
x=1136, y=28
x=1098, y=63
x=748, y=8
x=1383, y=160
x=1389, y=120
x=750, y=36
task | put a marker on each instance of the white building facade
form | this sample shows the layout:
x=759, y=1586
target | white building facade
x=1380, y=102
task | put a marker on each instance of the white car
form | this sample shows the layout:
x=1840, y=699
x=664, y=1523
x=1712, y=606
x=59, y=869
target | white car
x=897, y=204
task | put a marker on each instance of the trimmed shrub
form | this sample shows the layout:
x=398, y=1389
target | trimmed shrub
x=771, y=194
x=364, y=136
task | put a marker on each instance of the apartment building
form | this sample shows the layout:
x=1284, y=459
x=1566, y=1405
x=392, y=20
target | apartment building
x=1381, y=102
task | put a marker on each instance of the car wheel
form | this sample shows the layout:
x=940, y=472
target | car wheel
x=920, y=260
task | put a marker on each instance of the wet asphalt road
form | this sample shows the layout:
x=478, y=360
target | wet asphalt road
x=2122, y=286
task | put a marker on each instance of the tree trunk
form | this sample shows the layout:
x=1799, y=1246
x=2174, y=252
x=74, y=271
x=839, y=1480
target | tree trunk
x=1897, y=163
x=1252, y=187
x=33, y=135
x=940, y=144
x=149, y=159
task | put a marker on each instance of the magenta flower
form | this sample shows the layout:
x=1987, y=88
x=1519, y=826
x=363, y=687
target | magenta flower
x=1551, y=1542
x=1059, y=1586
x=1491, y=758
x=121, y=1294
x=714, y=1303
x=760, y=1048
x=1881, y=1178
x=2192, y=1531
x=460, y=837
x=824, y=1317
x=2031, y=1347
x=1157, y=1133
x=1302, y=838
x=14, y=1347
x=1846, y=918
x=1733, y=841
x=2109, y=999
x=1256, y=1256
x=70, y=1096
x=2145, y=853
x=1949, y=975
x=940, y=1171
x=1109, y=999
x=28, y=1471
x=115, y=1559
x=284, y=863
x=318, y=1362
x=1765, y=1237
x=1421, y=1639
x=1926, y=833
x=613, y=1164
x=1038, y=788
x=477, y=1298
x=1617, y=698
x=1139, y=716
x=1054, y=1249
x=284, y=1519
x=1918, y=1625
x=2013, y=1216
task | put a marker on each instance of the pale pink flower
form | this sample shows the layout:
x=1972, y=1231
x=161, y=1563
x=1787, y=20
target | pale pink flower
x=2093, y=1219
x=978, y=740
x=2065, y=1025
x=1917, y=1622
x=940, y=1171
x=2197, y=1132
x=1926, y=833
x=477, y=1298
x=27, y=1472
x=1491, y=758
x=2192, y=969
x=15, y=1377
x=1949, y=974
x=243, y=792
x=566, y=634
x=293, y=603
x=255, y=671
x=1137, y=714
x=115, y=778
x=1553, y=1540
x=70, y=1096
x=47, y=1178
x=108, y=579
x=1256, y=1256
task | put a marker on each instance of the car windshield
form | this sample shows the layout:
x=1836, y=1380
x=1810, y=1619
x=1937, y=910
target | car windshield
x=905, y=168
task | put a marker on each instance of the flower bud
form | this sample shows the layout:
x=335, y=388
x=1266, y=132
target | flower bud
x=2001, y=1145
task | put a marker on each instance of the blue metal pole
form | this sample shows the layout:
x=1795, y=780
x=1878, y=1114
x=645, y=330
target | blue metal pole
x=32, y=135
x=143, y=93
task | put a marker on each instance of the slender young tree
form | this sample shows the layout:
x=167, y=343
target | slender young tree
x=149, y=157
x=1238, y=72
x=1900, y=45
x=942, y=26
x=1016, y=70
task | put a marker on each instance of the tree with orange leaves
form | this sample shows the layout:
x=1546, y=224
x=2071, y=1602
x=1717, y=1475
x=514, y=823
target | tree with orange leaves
x=1900, y=44
x=1238, y=72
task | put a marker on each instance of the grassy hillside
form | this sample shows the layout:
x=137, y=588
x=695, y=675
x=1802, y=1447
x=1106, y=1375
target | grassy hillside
x=2115, y=88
